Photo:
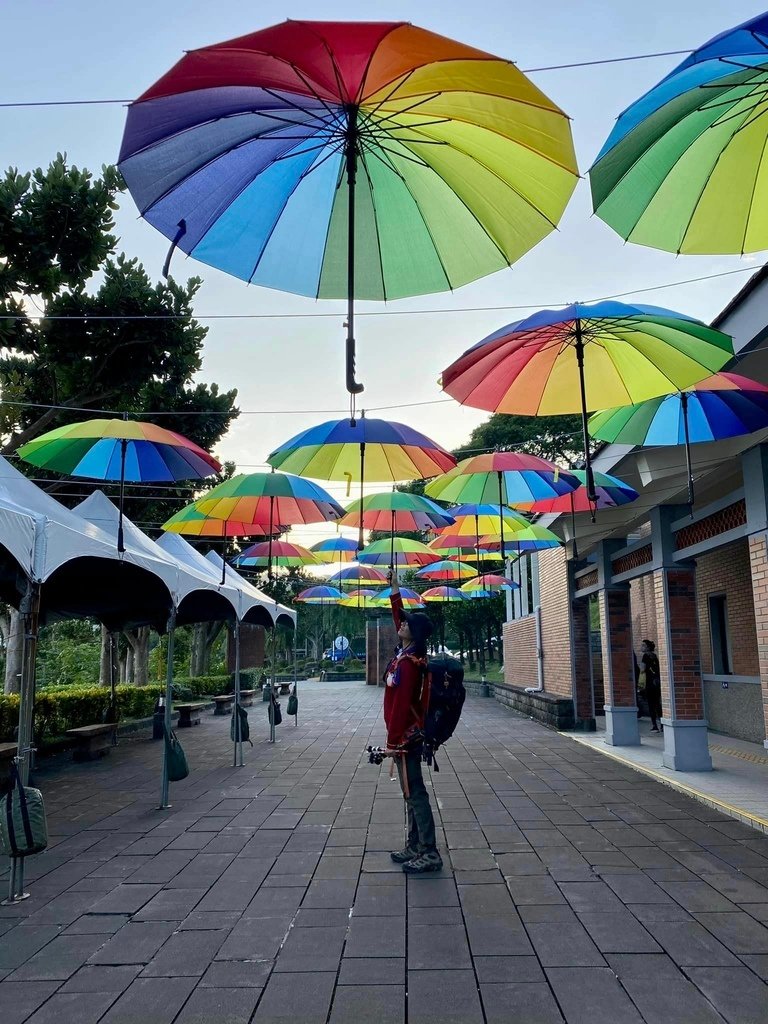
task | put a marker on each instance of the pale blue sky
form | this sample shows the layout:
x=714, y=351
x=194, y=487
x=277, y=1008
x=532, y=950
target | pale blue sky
x=89, y=49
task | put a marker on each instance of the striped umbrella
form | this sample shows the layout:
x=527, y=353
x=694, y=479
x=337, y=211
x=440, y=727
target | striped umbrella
x=336, y=549
x=355, y=575
x=490, y=582
x=277, y=552
x=319, y=595
x=446, y=570
x=411, y=600
x=398, y=551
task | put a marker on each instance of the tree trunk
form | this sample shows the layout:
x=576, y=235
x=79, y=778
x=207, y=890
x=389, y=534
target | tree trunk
x=14, y=648
x=138, y=660
x=205, y=636
x=104, y=659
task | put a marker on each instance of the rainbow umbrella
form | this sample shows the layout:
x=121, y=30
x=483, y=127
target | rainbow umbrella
x=397, y=551
x=396, y=510
x=319, y=595
x=472, y=520
x=194, y=524
x=369, y=160
x=490, y=583
x=610, y=491
x=124, y=450
x=336, y=549
x=411, y=600
x=364, y=600
x=723, y=405
x=276, y=552
x=354, y=575
x=531, y=538
x=459, y=549
x=363, y=450
x=683, y=168
x=446, y=570
x=444, y=595
x=582, y=357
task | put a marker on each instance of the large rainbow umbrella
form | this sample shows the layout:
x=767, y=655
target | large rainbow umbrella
x=530, y=538
x=277, y=552
x=724, y=405
x=396, y=510
x=460, y=549
x=335, y=549
x=369, y=160
x=411, y=600
x=684, y=167
x=489, y=582
x=354, y=575
x=119, y=449
x=446, y=570
x=397, y=551
x=585, y=357
x=364, y=600
x=194, y=524
x=319, y=595
x=442, y=595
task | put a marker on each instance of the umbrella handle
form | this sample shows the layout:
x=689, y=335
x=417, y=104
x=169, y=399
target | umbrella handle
x=350, y=152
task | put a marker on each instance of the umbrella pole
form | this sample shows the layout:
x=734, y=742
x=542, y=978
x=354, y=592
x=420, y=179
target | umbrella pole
x=590, y=478
x=120, y=538
x=350, y=153
x=237, y=754
x=573, y=527
x=164, y=795
x=392, y=543
x=272, y=685
x=501, y=517
x=688, y=467
x=269, y=552
x=360, y=543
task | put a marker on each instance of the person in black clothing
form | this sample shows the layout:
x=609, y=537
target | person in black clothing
x=650, y=669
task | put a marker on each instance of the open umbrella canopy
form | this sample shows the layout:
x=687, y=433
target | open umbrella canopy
x=110, y=449
x=192, y=523
x=336, y=549
x=683, y=168
x=492, y=582
x=723, y=405
x=398, y=551
x=530, y=538
x=486, y=516
x=396, y=510
x=264, y=155
x=366, y=450
x=610, y=491
x=446, y=570
x=442, y=595
x=354, y=575
x=320, y=595
x=269, y=498
x=411, y=600
x=279, y=552
x=459, y=549
x=520, y=478
x=362, y=599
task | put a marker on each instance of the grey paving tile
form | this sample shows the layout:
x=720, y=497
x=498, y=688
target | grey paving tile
x=331, y=894
x=443, y=997
x=97, y=924
x=618, y=933
x=376, y=936
x=532, y=1003
x=431, y=944
x=560, y=944
x=125, y=899
x=758, y=964
x=275, y=902
x=170, y=905
x=526, y=890
x=20, y=999
x=150, y=999
x=538, y=913
x=72, y=1006
x=59, y=959
x=592, y=995
x=635, y=888
x=590, y=897
x=690, y=945
x=661, y=992
x=26, y=941
x=508, y=970
x=372, y=971
x=185, y=954
x=355, y=1003
x=318, y=948
x=136, y=943
x=295, y=997
x=738, y=931
x=737, y=887
x=101, y=979
x=738, y=995
x=222, y=1005
x=379, y=901
x=493, y=924
x=432, y=892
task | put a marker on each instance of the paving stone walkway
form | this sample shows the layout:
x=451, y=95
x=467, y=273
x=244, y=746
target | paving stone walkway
x=575, y=888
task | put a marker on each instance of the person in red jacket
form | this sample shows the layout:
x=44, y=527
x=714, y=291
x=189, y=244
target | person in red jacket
x=406, y=698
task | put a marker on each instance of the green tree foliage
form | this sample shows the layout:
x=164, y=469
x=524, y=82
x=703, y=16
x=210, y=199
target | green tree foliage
x=557, y=438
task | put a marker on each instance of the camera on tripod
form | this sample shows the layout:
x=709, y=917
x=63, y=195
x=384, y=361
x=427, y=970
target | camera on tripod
x=376, y=754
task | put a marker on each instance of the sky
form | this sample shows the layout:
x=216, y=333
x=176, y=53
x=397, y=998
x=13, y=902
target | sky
x=290, y=372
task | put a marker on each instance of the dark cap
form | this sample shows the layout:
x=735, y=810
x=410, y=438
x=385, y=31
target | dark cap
x=420, y=626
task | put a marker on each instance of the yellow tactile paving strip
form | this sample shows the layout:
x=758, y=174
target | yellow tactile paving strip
x=743, y=754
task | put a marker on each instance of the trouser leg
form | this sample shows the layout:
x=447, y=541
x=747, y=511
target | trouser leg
x=421, y=824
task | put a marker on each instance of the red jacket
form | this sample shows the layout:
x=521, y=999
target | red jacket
x=405, y=704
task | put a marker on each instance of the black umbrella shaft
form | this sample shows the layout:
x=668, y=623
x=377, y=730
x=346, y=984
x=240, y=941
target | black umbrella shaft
x=350, y=153
x=120, y=537
x=501, y=517
x=591, y=496
x=269, y=552
x=360, y=542
x=687, y=435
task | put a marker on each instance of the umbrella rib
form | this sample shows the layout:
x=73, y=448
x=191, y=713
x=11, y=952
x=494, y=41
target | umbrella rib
x=752, y=195
x=375, y=222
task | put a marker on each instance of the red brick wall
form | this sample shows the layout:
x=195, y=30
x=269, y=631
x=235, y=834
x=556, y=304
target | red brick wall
x=758, y=552
x=727, y=571
x=582, y=658
x=380, y=645
x=676, y=601
x=618, y=665
x=251, y=647
x=556, y=622
x=520, y=652
x=643, y=610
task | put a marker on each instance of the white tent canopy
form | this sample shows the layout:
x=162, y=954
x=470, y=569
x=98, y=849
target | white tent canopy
x=251, y=595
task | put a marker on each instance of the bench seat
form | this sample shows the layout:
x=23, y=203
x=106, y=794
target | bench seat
x=223, y=703
x=92, y=741
x=189, y=714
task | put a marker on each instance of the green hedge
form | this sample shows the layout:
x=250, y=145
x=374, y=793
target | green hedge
x=58, y=708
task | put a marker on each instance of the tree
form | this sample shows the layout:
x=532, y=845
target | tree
x=557, y=438
x=123, y=343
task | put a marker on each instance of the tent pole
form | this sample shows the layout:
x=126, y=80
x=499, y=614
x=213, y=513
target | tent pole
x=350, y=155
x=237, y=756
x=164, y=801
x=590, y=478
x=112, y=682
x=120, y=538
x=272, y=685
x=688, y=467
x=30, y=613
x=296, y=677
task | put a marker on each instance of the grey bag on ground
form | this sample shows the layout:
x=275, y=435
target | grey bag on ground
x=176, y=759
x=23, y=828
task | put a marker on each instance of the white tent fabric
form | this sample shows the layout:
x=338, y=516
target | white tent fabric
x=177, y=547
x=251, y=595
x=181, y=579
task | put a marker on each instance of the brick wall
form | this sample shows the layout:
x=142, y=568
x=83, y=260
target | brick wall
x=758, y=552
x=582, y=661
x=252, y=641
x=618, y=665
x=678, y=645
x=380, y=644
x=727, y=571
x=520, y=652
x=556, y=622
x=643, y=600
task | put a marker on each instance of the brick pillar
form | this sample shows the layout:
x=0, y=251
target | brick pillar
x=251, y=647
x=380, y=644
x=682, y=692
x=583, y=693
x=758, y=558
x=621, y=728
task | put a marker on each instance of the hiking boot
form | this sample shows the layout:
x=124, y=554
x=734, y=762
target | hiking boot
x=403, y=856
x=423, y=863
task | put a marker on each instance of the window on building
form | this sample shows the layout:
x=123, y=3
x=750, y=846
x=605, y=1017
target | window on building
x=718, y=632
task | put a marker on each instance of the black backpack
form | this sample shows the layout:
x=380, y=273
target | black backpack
x=239, y=712
x=446, y=699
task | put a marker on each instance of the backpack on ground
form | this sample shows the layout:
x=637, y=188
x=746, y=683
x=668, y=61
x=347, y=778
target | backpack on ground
x=23, y=828
x=239, y=712
x=446, y=699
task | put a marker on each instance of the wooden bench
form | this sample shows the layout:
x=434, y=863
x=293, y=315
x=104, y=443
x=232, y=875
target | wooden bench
x=285, y=689
x=92, y=741
x=189, y=714
x=222, y=704
x=7, y=754
x=246, y=698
